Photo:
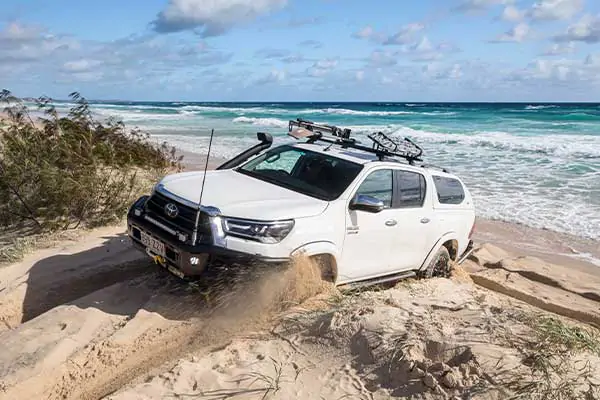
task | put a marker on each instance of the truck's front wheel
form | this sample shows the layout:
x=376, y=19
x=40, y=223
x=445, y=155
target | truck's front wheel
x=440, y=265
x=326, y=265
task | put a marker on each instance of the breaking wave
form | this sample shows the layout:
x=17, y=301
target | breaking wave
x=266, y=122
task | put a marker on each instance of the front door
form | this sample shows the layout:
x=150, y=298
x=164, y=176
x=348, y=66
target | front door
x=370, y=236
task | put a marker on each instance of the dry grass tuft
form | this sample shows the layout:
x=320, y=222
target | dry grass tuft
x=550, y=350
x=67, y=171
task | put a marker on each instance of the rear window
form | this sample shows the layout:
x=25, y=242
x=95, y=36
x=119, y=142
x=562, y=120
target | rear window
x=411, y=189
x=449, y=190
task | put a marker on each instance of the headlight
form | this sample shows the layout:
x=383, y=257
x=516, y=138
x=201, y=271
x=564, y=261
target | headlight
x=266, y=232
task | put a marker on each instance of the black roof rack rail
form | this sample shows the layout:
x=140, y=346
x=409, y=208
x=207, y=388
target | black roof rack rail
x=435, y=166
x=383, y=146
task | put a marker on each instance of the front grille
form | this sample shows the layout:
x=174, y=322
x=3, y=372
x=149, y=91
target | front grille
x=184, y=221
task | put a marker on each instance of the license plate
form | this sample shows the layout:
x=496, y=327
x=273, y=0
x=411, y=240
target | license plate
x=154, y=245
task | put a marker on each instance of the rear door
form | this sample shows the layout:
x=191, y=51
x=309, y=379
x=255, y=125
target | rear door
x=416, y=226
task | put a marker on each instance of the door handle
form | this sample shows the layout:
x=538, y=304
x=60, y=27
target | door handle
x=391, y=222
x=424, y=220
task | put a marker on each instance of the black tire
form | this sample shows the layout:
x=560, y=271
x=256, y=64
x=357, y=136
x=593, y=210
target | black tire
x=440, y=265
x=323, y=261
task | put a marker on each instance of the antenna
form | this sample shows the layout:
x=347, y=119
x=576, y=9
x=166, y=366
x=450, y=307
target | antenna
x=212, y=133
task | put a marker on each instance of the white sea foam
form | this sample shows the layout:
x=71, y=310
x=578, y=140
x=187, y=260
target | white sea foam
x=242, y=110
x=370, y=113
x=265, y=122
x=558, y=145
x=540, y=107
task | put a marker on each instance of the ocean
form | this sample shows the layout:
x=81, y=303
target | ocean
x=534, y=164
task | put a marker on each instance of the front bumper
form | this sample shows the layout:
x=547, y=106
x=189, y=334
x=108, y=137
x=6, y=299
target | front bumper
x=184, y=260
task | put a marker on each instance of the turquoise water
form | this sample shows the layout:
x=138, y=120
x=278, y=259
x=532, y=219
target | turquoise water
x=536, y=164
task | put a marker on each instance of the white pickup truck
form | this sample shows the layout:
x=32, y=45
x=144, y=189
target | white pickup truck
x=368, y=214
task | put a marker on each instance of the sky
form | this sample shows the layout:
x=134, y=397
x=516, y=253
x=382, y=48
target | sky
x=302, y=50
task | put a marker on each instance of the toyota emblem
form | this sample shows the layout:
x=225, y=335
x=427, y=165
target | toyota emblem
x=171, y=210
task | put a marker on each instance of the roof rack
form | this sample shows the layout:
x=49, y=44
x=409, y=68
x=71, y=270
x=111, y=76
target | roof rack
x=383, y=145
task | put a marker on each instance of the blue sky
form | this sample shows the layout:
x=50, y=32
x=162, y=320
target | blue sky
x=309, y=50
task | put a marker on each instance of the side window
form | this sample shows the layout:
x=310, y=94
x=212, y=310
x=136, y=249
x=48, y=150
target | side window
x=411, y=189
x=379, y=185
x=449, y=190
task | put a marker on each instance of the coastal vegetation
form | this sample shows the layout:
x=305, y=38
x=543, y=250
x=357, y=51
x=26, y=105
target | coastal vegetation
x=59, y=172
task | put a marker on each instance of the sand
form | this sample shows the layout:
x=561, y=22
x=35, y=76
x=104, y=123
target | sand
x=92, y=318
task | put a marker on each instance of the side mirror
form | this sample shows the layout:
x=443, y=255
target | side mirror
x=366, y=203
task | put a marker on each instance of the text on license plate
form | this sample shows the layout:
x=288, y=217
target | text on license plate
x=154, y=245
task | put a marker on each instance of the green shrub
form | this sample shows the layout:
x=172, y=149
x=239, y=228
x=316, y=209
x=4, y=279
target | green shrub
x=63, y=171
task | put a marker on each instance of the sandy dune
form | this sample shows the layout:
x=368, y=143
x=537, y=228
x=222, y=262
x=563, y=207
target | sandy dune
x=93, y=318
x=555, y=288
x=428, y=340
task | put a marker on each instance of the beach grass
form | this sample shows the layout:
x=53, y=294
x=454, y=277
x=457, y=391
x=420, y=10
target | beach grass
x=61, y=172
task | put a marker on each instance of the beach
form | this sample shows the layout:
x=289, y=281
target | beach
x=89, y=317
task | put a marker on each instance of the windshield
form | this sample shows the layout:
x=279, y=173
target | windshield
x=314, y=174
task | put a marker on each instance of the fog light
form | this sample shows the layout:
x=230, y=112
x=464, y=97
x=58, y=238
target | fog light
x=137, y=212
x=194, y=260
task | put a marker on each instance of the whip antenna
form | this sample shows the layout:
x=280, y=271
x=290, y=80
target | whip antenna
x=212, y=133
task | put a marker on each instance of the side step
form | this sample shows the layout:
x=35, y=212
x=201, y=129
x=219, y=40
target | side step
x=378, y=281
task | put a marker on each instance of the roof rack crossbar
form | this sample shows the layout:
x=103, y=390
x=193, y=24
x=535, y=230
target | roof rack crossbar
x=383, y=145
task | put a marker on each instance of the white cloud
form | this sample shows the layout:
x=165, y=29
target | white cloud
x=326, y=64
x=81, y=65
x=314, y=44
x=20, y=43
x=517, y=34
x=365, y=33
x=405, y=35
x=380, y=58
x=425, y=51
x=593, y=60
x=360, y=75
x=479, y=5
x=558, y=49
x=512, y=14
x=548, y=69
x=423, y=46
x=322, y=67
x=294, y=59
x=271, y=53
x=587, y=30
x=565, y=72
x=213, y=17
x=555, y=9
x=18, y=32
x=275, y=76
x=455, y=72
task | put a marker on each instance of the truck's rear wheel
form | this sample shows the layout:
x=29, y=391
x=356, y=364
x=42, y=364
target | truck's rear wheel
x=440, y=265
